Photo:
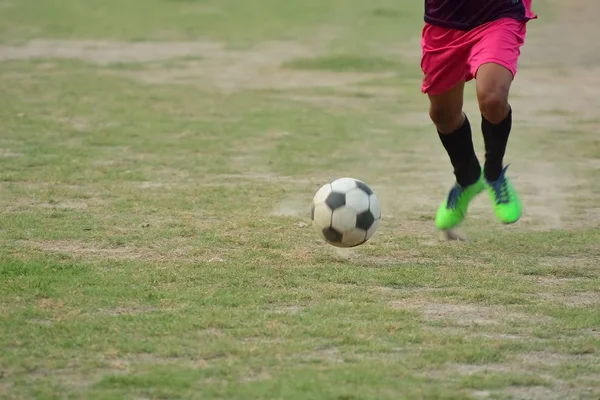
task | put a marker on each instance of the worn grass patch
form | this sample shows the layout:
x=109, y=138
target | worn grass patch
x=344, y=63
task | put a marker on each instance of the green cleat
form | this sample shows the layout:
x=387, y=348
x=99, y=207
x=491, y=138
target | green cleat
x=454, y=209
x=505, y=200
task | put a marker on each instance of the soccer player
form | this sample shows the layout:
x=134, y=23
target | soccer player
x=464, y=40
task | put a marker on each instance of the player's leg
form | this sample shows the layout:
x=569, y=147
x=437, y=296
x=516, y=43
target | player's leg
x=454, y=131
x=445, y=70
x=495, y=58
x=492, y=87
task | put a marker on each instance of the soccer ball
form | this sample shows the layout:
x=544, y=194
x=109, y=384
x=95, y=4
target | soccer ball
x=345, y=212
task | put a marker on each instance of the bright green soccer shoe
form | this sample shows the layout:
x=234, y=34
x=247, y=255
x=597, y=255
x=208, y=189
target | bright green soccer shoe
x=505, y=200
x=454, y=209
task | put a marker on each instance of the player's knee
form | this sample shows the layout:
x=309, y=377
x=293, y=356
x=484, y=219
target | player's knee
x=446, y=119
x=493, y=104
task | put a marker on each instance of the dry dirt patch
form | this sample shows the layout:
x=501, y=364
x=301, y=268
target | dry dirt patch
x=561, y=60
x=105, y=52
x=207, y=64
x=583, y=261
x=75, y=247
x=566, y=38
x=556, y=98
x=463, y=314
x=548, y=190
x=7, y=153
x=535, y=392
x=27, y=204
x=89, y=250
x=581, y=299
x=291, y=206
x=130, y=310
x=256, y=376
x=471, y=369
x=66, y=205
x=328, y=355
x=556, y=89
x=544, y=358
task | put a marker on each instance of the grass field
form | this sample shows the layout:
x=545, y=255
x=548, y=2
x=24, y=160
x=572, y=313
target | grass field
x=157, y=163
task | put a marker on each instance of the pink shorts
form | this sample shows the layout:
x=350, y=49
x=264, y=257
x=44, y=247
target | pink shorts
x=450, y=56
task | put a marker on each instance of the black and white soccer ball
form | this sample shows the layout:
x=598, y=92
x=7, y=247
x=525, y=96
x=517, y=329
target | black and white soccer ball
x=346, y=212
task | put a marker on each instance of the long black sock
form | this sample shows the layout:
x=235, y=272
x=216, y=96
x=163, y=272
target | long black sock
x=495, y=137
x=459, y=145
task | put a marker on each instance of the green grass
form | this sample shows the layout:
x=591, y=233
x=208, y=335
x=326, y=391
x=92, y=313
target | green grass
x=239, y=23
x=155, y=239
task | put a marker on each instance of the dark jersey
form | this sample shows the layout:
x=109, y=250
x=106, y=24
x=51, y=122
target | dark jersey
x=468, y=14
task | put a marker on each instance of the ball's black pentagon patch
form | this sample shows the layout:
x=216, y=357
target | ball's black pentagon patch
x=362, y=186
x=332, y=235
x=336, y=200
x=312, y=212
x=365, y=220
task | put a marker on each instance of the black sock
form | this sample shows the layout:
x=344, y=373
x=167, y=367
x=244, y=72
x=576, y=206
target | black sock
x=495, y=137
x=459, y=145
